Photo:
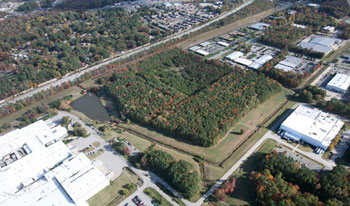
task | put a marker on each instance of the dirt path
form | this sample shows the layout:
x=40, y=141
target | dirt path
x=225, y=29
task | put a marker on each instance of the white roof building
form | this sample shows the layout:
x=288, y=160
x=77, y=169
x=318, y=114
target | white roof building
x=257, y=64
x=202, y=52
x=243, y=61
x=340, y=83
x=259, y=26
x=321, y=44
x=234, y=55
x=221, y=43
x=206, y=43
x=311, y=125
x=290, y=63
x=194, y=48
x=37, y=169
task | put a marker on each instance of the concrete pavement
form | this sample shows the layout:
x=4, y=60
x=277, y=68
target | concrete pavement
x=113, y=161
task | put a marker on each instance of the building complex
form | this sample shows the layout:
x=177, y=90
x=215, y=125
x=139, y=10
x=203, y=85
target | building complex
x=339, y=83
x=37, y=168
x=311, y=125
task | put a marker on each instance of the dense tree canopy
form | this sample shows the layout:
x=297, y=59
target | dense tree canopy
x=282, y=181
x=40, y=47
x=183, y=94
x=180, y=174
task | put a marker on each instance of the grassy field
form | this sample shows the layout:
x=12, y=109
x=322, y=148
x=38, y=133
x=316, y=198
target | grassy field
x=154, y=195
x=226, y=145
x=12, y=119
x=166, y=191
x=110, y=194
x=213, y=173
x=244, y=192
x=137, y=142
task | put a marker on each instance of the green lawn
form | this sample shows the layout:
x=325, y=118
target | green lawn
x=244, y=192
x=154, y=195
x=110, y=194
x=170, y=194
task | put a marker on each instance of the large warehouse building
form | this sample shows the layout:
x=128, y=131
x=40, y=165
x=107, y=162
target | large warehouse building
x=339, y=83
x=37, y=168
x=311, y=125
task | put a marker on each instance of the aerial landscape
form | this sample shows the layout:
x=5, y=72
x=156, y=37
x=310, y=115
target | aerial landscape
x=175, y=103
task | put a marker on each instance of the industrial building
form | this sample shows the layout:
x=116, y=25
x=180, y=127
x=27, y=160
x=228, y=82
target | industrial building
x=311, y=125
x=257, y=64
x=260, y=26
x=202, y=52
x=221, y=43
x=234, y=55
x=339, y=83
x=290, y=63
x=320, y=44
x=37, y=168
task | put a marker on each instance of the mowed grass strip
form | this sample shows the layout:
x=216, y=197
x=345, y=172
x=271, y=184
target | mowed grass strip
x=154, y=195
x=110, y=194
x=244, y=192
x=223, y=148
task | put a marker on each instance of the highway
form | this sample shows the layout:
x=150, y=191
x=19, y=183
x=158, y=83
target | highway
x=107, y=61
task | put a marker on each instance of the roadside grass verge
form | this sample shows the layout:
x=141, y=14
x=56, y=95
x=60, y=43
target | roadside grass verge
x=154, y=195
x=110, y=195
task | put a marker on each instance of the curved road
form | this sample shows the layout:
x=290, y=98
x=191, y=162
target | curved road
x=107, y=61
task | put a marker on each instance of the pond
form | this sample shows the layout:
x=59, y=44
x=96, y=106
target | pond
x=91, y=106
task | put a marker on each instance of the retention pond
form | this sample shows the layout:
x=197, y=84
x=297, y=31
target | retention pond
x=91, y=106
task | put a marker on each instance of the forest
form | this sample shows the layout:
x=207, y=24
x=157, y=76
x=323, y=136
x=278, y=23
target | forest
x=44, y=46
x=282, y=181
x=85, y=4
x=179, y=174
x=285, y=36
x=184, y=95
x=336, y=8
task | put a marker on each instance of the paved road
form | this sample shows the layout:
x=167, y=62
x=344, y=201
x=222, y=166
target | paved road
x=269, y=135
x=125, y=55
x=112, y=160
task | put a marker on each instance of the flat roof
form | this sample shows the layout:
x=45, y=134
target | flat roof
x=234, y=55
x=315, y=47
x=206, y=43
x=341, y=81
x=255, y=65
x=259, y=26
x=223, y=43
x=263, y=59
x=37, y=168
x=313, y=123
x=243, y=61
x=289, y=63
x=323, y=40
x=202, y=52
x=194, y=48
x=284, y=67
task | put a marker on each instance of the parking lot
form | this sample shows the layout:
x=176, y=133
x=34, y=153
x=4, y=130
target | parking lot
x=112, y=163
x=301, y=159
x=130, y=201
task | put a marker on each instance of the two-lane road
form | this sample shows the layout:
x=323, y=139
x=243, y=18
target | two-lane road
x=124, y=55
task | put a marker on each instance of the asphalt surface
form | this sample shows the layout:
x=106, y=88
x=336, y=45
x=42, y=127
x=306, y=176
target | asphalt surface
x=114, y=162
